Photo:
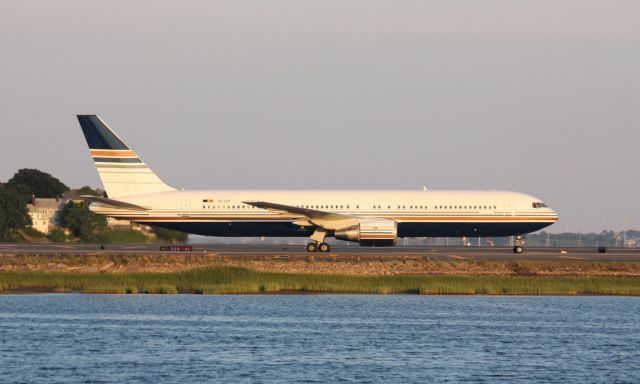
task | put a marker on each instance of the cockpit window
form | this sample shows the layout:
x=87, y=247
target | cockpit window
x=539, y=205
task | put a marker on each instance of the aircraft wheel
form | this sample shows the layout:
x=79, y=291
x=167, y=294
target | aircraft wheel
x=324, y=247
x=518, y=249
x=312, y=247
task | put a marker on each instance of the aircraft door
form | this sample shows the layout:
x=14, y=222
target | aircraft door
x=508, y=208
x=185, y=208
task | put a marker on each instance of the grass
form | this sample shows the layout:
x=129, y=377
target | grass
x=233, y=280
x=123, y=236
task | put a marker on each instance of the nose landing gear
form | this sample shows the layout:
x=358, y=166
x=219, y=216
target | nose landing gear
x=519, y=244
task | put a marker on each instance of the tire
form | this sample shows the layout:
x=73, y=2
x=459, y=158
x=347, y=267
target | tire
x=324, y=247
x=518, y=249
x=312, y=247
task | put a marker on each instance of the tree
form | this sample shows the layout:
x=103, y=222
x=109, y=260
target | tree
x=83, y=223
x=35, y=182
x=169, y=235
x=13, y=212
x=57, y=236
x=87, y=191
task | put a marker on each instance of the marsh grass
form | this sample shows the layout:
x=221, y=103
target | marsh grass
x=233, y=280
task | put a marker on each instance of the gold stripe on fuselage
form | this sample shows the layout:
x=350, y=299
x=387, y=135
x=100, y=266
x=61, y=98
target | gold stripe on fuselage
x=399, y=219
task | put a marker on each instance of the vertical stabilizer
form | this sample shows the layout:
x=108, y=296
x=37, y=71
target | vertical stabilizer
x=122, y=172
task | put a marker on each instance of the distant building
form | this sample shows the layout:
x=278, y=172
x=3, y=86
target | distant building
x=113, y=223
x=44, y=213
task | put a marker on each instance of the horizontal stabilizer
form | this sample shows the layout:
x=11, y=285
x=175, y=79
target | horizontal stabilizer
x=114, y=203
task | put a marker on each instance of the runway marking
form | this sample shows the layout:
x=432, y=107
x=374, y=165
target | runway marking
x=572, y=258
x=458, y=257
x=65, y=246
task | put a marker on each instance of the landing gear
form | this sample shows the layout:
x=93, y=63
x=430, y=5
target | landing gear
x=318, y=241
x=519, y=244
x=320, y=247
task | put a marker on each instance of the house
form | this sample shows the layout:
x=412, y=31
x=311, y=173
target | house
x=44, y=213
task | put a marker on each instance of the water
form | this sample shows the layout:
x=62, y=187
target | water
x=318, y=338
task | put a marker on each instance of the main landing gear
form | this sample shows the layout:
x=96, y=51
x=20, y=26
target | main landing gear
x=318, y=243
x=318, y=247
x=519, y=244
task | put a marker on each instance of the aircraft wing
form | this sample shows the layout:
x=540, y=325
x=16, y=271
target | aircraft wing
x=327, y=220
x=113, y=203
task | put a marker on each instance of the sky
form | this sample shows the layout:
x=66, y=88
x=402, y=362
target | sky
x=540, y=97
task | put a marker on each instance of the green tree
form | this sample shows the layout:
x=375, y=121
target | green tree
x=83, y=223
x=13, y=212
x=87, y=191
x=35, y=182
x=123, y=236
x=57, y=236
x=169, y=235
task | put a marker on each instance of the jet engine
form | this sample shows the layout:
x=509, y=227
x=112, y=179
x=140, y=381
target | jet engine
x=378, y=232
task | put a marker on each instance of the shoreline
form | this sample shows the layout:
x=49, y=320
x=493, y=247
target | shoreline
x=140, y=263
x=235, y=280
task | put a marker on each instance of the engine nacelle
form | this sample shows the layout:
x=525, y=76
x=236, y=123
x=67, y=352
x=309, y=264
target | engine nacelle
x=380, y=232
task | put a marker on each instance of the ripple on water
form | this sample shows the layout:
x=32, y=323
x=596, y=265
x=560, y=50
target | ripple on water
x=323, y=338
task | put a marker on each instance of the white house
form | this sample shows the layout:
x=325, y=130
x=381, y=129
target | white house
x=44, y=213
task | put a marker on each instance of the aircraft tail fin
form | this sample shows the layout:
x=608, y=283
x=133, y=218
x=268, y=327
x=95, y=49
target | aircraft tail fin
x=122, y=172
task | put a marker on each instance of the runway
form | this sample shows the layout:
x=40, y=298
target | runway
x=338, y=252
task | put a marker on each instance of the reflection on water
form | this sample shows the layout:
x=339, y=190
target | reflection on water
x=323, y=338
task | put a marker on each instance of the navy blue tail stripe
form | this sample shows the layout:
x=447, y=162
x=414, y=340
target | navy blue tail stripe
x=117, y=160
x=98, y=135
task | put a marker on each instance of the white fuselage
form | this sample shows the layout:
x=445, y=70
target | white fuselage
x=136, y=193
x=418, y=213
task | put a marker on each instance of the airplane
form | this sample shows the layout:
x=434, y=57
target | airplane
x=371, y=218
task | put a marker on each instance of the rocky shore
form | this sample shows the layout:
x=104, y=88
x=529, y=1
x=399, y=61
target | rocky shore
x=182, y=262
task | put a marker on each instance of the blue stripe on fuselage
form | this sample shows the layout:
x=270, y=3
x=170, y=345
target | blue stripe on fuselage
x=288, y=229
